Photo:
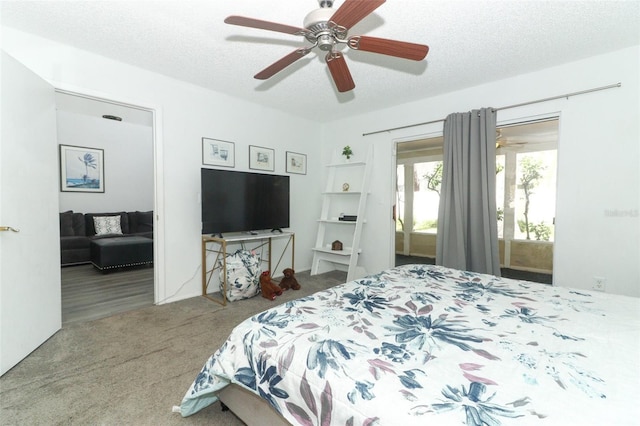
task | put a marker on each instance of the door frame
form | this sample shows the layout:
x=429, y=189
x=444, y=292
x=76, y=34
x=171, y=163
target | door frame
x=394, y=167
x=159, y=290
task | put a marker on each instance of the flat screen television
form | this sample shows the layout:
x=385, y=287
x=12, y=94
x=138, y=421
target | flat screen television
x=235, y=201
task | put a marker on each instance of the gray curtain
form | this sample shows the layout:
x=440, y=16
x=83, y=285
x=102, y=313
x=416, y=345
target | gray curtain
x=467, y=225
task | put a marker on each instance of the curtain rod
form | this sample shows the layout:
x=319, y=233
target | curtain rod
x=567, y=95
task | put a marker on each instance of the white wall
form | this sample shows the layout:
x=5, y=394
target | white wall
x=595, y=128
x=128, y=163
x=185, y=114
x=598, y=164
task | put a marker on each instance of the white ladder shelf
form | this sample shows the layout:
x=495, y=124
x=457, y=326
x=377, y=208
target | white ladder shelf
x=346, y=193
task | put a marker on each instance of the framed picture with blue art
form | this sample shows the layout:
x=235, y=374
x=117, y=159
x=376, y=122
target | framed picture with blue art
x=81, y=169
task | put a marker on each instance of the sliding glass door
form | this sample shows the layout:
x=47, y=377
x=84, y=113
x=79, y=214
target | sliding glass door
x=526, y=163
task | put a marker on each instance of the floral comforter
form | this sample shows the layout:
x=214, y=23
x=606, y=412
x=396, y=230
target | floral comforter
x=423, y=344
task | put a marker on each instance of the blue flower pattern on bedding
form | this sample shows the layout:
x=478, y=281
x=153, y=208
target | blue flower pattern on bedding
x=412, y=345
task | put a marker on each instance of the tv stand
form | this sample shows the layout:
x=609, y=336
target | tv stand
x=276, y=230
x=219, y=244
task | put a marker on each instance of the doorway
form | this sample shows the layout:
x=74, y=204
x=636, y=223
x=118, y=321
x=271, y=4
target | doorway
x=526, y=163
x=124, y=135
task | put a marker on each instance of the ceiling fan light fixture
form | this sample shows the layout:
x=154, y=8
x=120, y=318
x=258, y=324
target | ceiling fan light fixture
x=317, y=19
x=326, y=42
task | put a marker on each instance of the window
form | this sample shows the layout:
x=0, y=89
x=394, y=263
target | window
x=526, y=162
x=426, y=196
x=528, y=153
x=419, y=174
x=535, y=200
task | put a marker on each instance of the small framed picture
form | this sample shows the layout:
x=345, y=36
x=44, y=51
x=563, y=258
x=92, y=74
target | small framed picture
x=261, y=158
x=218, y=153
x=296, y=163
x=81, y=169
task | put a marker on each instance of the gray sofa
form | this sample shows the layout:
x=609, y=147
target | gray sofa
x=77, y=231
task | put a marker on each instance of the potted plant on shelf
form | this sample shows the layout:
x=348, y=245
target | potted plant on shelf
x=347, y=152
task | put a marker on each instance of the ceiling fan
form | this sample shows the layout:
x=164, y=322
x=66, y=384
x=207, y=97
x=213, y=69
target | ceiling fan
x=328, y=29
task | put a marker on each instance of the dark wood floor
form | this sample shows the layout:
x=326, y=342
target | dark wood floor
x=88, y=294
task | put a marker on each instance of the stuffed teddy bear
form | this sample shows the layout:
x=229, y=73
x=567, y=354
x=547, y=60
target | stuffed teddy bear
x=269, y=288
x=289, y=281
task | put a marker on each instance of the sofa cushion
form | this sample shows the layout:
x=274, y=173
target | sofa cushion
x=78, y=225
x=141, y=222
x=90, y=226
x=66, y=224
x=72, y=243
x=107, y=225
x=75, y=256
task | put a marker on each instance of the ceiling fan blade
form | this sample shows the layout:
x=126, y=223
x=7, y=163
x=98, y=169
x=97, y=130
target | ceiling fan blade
x=400, y=49
x=340, y=71
x=282, y=64
x=353, y=11
x=264, y=25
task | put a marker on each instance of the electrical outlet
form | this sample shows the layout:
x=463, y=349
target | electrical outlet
x=599, y=284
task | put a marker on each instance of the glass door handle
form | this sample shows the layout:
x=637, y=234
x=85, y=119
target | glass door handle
x=8, y=228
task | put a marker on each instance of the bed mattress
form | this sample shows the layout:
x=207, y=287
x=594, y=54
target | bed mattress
x=424, y=344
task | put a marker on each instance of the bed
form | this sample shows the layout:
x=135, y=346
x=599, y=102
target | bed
x=424, y=344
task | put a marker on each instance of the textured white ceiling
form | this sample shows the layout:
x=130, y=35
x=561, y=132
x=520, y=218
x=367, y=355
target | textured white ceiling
x=471, y=42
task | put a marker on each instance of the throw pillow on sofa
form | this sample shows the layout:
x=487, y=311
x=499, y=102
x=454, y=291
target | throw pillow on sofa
x=105, y=225
x=90, y=224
